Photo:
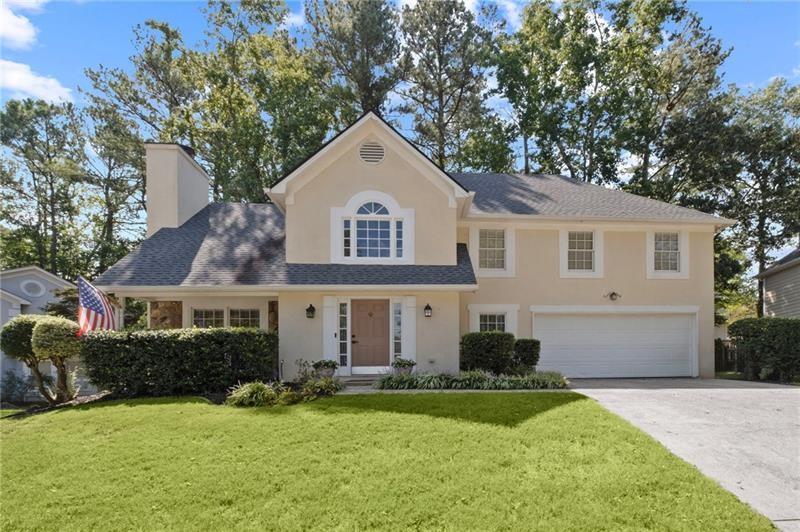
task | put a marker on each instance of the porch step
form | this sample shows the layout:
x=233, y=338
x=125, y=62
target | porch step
x=359, y=380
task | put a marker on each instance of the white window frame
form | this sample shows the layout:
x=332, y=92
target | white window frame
x=563, y=253
x=511, y=312
x=209, y=309
x=510, y=242
x=349, y=212
x=248, y=309
x=683, y=250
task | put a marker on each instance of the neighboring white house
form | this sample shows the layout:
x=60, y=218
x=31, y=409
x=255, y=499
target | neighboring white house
x=25, y=291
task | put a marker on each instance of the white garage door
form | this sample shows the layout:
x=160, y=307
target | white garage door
x=616, y=345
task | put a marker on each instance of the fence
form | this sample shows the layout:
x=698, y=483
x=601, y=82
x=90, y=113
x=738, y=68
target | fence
x=726, y=357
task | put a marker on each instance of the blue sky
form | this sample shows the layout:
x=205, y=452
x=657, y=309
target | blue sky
x=47, y=44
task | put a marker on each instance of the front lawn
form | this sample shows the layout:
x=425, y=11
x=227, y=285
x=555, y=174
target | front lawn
x=550, y=461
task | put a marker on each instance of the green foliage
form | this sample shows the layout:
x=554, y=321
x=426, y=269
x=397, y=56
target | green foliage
x=15, y=388
x=15, y=337
x=769, y=347
x=55, y=338
x=359, y=39
x=489, y=351
x=324, y=386
x=178, y=361
x=324, y=364
x=254, y=393
x=472, y=380
x=526, y=352
x=399, y=363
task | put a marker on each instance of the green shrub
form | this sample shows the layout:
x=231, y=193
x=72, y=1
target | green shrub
x=179, y=361
x=526, y=352
x=488, y=351
x=56, y=339
x=473, y=380
x=254, y=393
x=324, y=386
x=289, y=397
x=403, y=363
x=15, y=342
x=768, y=347
x=324, y=364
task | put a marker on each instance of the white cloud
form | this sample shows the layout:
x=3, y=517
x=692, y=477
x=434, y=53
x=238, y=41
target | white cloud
x=27, y=5
x=16, y=31
x=513, y=13
x=295, y=19
x=22, y=82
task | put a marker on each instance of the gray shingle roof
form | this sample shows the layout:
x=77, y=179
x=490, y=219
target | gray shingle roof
x=561, y=197
x=791, y=258
x=243, y=244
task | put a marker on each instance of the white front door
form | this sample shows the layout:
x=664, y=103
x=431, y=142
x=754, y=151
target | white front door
x=616, y=345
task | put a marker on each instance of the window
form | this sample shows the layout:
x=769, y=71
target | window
x=245, y=318
x=492, y=249
x=205, y=318
x=667, y=255
x=397, y=328
x=372, y=228
x=492, y=322
x=343, y=334
x=580, y=251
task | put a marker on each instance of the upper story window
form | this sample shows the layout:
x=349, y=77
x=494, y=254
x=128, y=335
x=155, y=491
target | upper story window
x=667, y=254
x=372, y=228
x=581, y=252
x=492, y=250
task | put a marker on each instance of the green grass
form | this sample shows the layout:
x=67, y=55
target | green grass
x=484, y=461
x=9, y=411
x=730, y=375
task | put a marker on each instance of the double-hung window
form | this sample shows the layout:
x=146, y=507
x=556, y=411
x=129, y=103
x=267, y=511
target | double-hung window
x=580, y=251
x=667, y=253
x=245, y=317
x=492, y=249
x=207, y=318
x=492, y=322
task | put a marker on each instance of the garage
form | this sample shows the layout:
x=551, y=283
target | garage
x=617, y=343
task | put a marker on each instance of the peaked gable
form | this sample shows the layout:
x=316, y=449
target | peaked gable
x=368, y=125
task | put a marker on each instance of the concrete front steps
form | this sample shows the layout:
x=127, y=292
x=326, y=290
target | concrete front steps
x=359, y=381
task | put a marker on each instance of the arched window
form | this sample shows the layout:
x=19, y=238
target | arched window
x=374, y=229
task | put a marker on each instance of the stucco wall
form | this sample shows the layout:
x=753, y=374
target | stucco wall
x=437, y=336
x=538, y=282
x=782, y=293
x=308, y=219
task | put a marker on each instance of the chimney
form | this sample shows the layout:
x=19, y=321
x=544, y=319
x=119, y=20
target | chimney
x=177, y=187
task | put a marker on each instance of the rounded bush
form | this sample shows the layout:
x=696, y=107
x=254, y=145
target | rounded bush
x=55, y=337
x=526, y=352
x=15, y=337
x=488, y=351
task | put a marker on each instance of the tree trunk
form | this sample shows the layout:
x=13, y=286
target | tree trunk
x=37, y=376
x=526, y=169
x=62, y=387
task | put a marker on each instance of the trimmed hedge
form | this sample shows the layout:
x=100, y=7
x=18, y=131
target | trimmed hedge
x=487, y=351
x=769, y=347
x=16, y=335
x=179, y=361
x=526, y=352
x=472, y=380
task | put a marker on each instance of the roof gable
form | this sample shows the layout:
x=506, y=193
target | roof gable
x=369, y=125
x=35, y=271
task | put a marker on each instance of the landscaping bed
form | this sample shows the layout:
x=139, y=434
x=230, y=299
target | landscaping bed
x=472, y=380
x=482, y=461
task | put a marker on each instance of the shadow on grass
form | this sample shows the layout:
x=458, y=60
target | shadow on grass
x=504, y=409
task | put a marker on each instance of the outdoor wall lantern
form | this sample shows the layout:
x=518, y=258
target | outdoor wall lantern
x=428, y=311
x=613, y=296
x=310, y=311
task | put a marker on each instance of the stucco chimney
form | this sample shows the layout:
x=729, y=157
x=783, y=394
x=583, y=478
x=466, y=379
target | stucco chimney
x=177, y=187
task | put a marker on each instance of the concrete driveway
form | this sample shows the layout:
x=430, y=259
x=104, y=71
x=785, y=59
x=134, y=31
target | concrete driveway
x=745, y=435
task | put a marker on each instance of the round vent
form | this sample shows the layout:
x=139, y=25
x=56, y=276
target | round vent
x=371, y=152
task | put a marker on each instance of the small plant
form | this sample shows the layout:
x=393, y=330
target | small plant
x=255, y=393
x=403, y=366
x=321, y=387
x=473, y=380
x=325, y=368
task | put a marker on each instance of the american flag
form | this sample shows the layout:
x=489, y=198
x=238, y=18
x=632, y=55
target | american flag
x=95, y=311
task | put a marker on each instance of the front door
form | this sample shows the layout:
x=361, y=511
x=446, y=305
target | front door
x=370, y=330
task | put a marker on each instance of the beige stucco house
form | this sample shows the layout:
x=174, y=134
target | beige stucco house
x=369, y=251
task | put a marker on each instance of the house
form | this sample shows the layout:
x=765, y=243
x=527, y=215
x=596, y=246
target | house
x=369, y=251
x=26, y=291
x=781, y=287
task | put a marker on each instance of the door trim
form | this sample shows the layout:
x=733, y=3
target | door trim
x=692, y=310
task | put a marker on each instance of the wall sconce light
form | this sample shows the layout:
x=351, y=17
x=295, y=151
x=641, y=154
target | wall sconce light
x=428, y=311
x=310, y=311
x=613, y=296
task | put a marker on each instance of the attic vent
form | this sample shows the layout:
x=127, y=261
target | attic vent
x=371, y=152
